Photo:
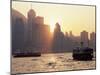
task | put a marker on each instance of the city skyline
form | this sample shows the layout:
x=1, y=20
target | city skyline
x=64, y=15
x=52, y=37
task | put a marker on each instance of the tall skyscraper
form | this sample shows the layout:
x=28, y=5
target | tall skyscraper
x=84, y=38
x=18, y=34
x=92, y=40
x=31, y=25
x=58, y=39
x=18, y=30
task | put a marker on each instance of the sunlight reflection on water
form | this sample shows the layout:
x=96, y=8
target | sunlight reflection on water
x=49, y=62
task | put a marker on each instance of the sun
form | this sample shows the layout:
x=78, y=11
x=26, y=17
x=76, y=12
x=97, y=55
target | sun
x=52, y=25
x=53, y=21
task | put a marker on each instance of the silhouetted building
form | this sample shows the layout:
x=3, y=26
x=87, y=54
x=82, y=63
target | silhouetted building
x=31, y=26
x=18, y=34
x=84, y=38
x=18, y=29
x=58, y=39
x=71, y=35
x=70, y=41
x=66, y=35
x=93, y=40
x=92, y=36
x=43, y=37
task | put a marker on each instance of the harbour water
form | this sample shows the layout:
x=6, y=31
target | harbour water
x=49, y=62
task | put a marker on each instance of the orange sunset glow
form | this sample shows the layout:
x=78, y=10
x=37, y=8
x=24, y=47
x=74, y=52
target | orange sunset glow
x=73, y=18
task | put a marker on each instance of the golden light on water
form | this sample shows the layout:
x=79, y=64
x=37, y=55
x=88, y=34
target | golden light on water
x=52, y=59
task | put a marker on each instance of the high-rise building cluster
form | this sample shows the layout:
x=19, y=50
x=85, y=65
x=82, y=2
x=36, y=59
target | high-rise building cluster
x=32, y=34
x=38, y=32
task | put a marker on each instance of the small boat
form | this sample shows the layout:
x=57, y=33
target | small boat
x=84, y=53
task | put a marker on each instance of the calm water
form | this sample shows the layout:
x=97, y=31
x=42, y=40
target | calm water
x=49, y=62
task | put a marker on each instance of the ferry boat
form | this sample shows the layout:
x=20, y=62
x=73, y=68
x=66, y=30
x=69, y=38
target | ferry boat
x=82, y=53
x=85, y=53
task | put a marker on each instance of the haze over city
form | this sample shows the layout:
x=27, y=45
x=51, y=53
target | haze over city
x=33, y=25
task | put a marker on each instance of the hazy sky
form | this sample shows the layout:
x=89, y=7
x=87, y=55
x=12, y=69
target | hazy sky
x=73, y=18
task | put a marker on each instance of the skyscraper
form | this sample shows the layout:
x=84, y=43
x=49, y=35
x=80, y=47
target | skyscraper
x=58, y=39
x=31, y=25
x=84, y=38
x=92, y=40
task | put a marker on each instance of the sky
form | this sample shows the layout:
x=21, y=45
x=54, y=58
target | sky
x=75, y=18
